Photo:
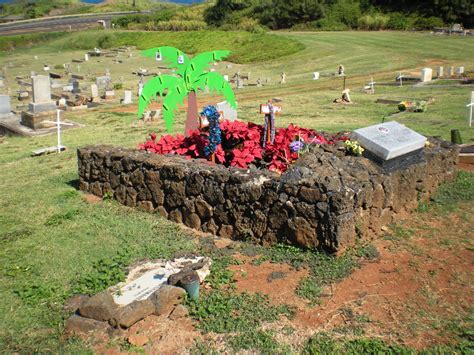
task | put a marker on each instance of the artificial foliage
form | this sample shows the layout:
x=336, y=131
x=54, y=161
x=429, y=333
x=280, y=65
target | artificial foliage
x=240, y=145
x=214, y=136
x=191, y=75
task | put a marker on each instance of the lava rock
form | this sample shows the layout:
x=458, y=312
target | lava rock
x=73, y=303
x=128, y=315
x=99, y=307
x=81, y=325
x=166, y=298
x=179, y=312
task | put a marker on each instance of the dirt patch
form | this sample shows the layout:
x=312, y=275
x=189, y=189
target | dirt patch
x=155, y=335
x=466, y=167
x=90, y=198
x=278, y=281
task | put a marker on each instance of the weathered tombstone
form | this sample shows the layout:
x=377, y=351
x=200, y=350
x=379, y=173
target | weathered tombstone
x=440, y=72
x=259, y=83
x=391, y=144
x=75, y=87
x=62, y=102
x=86, y=57
x=459, y=70
x=451, y=71
x=103, y=81
x=109, y=94
x=107, y=72
x=94, y=93
x=5, y=108
x=127, y=97
x=283, y=78
x=226, y=77
x=227, y=111
x=315, y=75
x=42, y=107
x=426, y=74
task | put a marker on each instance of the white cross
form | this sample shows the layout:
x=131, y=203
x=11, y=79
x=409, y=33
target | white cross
x=372, y=85
x=58, y=124
x=400, y=77
x=470, y=113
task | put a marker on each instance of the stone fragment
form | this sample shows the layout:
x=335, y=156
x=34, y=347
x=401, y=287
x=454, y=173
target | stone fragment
x=203, y=209
x=166, y=298
x=81, y=325
x=226, y=231
x=128, y=315
x=179, y=312
x=310, y=195
x=100, y=307
x=138, y=339
x=192, y=221
x=73, y=303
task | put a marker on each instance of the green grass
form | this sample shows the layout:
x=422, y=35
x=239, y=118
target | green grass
x=53, y=243
x=246, y=47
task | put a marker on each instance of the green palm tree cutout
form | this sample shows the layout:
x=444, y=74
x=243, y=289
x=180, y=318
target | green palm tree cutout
x=192, y=75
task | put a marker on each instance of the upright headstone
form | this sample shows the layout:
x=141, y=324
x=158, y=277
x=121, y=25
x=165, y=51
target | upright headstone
x=459, y=70
x=5, y=108
x=42, y=107
x=451, y=71
x=315, y=75
x=127, y=97
x=86, y=57
x=103, y=81
x=440, y=71
x=226, y=77
x=227, y=111
x=75, y=87
x=94, y=93
x=470, y=108
x=426, y=74
x=389, y=140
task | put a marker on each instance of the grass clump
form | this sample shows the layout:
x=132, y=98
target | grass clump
x=461, y=190
x=261, y=341
x=325, y=344
x=224, y=312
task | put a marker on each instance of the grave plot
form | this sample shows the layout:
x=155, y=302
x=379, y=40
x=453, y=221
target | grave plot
x=326, y=199
x=245, y=181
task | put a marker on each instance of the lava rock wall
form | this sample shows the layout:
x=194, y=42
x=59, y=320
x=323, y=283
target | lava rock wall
x=326, y=200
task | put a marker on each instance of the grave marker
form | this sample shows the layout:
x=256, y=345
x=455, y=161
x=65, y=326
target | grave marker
x=127, y=97
x=227, y=112
x=58, y=124
x=315, y=75
x=426, y=74
x=389, y=140
x=42, y=106
x=5, y=107
x=451, y=71
x=469, y=105
x=440, y=72
x=459, y=70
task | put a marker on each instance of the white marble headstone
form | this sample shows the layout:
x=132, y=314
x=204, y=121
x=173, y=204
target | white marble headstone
x=459, y=70
x=127, y=97
x=389, y=140
x=316, y=75
x=41, y=88
x=94, y=90
x=5, y=108
x=426, y=74
x=228, y=111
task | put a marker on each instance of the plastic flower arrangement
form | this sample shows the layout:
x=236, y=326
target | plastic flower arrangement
x=214, y=130
x=240, y=145
x=353, y=147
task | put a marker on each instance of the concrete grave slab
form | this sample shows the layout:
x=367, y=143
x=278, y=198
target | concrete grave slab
x=389, y=140
x=146, y=278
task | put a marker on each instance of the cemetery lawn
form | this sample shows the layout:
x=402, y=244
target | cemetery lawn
x=55, y=241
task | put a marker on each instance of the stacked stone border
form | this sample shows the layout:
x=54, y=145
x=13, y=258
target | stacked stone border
x=326, y=200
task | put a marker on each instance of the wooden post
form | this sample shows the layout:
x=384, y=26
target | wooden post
x=269, y=132
x=213, y=157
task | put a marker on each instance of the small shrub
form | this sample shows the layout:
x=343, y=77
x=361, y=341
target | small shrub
x=261, y=341
x=398, y=21
x=118, y=86
x=373, y=22
x=422, y=23
x=309, y=289
x=178, y=25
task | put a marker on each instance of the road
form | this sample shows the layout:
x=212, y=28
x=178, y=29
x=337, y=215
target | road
x=58, y=23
